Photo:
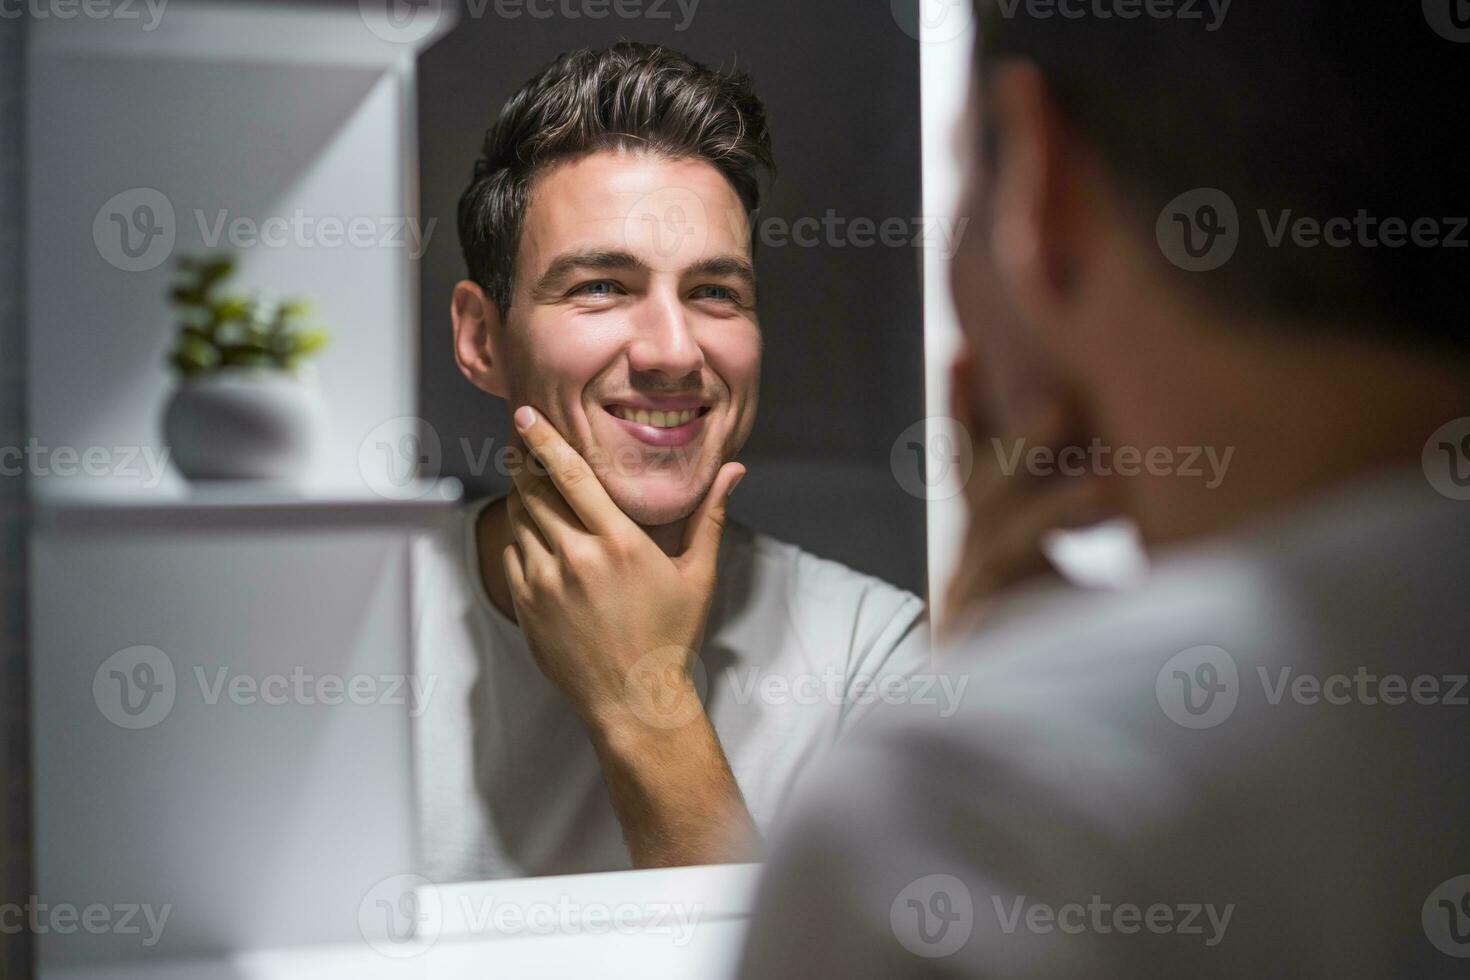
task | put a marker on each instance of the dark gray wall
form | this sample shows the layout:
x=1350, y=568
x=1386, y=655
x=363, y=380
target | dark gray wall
x=843, y=369
x=14, y=686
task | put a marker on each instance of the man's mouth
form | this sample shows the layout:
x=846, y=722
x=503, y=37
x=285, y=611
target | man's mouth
x=667, y=425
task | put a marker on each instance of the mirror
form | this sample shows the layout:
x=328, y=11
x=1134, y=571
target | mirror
x=809, y=377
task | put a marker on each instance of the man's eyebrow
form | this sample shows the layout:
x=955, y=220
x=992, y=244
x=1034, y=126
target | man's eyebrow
x=598, y=259
x=727, y=266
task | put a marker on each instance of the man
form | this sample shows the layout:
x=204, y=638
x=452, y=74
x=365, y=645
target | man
x=1251, y=763
x=603, y=652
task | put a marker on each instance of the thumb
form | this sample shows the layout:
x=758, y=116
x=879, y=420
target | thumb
x=706, y=525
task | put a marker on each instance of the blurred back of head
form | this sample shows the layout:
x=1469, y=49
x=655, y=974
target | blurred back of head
x=1315, y=108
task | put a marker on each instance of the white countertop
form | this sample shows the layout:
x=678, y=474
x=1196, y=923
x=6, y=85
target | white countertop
x=665, y=924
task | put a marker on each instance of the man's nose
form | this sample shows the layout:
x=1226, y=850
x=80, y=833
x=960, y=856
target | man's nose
x=663, y=341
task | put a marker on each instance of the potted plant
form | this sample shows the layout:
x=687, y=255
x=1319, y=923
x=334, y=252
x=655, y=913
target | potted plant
x=247, y=406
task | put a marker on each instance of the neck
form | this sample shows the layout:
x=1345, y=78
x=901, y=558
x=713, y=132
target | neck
x=493, y=535
x=1287, y=419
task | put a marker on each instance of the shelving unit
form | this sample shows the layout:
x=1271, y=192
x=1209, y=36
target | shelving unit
x=259, y=825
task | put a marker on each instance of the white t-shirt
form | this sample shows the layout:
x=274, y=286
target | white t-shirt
x=1252, y=766
x=796, y=649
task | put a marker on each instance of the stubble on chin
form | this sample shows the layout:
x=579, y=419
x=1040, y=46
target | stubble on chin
x=632, y=493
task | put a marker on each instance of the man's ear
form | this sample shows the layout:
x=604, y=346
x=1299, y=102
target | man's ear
x=479, y=337
x=1042, y=207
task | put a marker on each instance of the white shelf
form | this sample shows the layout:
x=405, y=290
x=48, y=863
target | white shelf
x=110, y=506
x=355, y=35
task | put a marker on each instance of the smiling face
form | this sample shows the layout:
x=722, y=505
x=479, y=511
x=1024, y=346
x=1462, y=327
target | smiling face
x=632, y=326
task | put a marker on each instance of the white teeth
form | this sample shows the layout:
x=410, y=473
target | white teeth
x=657, y=419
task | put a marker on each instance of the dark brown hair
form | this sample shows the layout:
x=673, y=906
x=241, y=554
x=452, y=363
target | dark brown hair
x=628, y=96
x=1316, y=108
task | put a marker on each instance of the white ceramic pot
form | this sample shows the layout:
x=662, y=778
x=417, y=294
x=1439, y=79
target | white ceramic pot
x=245, y=424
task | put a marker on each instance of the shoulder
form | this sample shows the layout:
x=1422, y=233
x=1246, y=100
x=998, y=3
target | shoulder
x=814, y=583
x=826, y=608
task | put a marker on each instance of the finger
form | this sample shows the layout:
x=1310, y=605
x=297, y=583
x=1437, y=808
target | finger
x=706, y=526
x=570, y=473
x=1074, y=504
x=996, y=491
x=1017, y=553
x=551, y=513
x=963, y=400
x=515, y=575
x=528, y=537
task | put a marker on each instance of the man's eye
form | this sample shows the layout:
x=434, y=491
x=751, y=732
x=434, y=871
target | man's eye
x=720, y=293
x=598, y=289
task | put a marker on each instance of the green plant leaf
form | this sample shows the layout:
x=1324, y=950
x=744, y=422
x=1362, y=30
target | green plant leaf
x=193, y=355
x=188, y=296
x=232, y=308
x=214, y=271
x=309, y=342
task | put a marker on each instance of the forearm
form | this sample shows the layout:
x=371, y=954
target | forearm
x=674, y=794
